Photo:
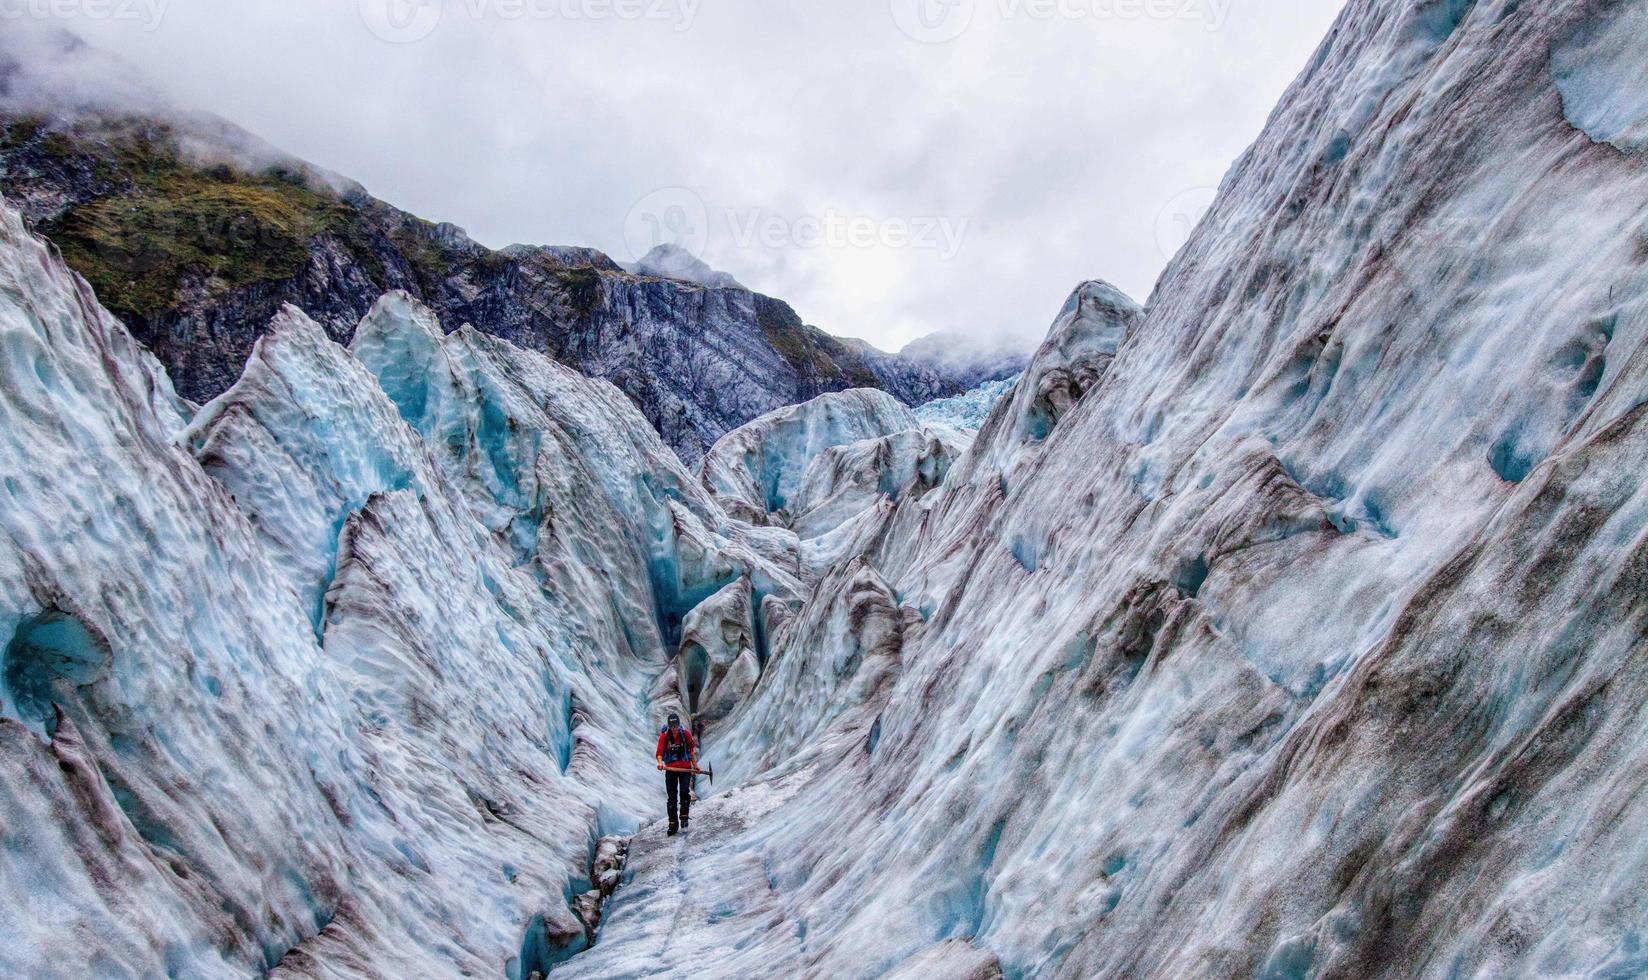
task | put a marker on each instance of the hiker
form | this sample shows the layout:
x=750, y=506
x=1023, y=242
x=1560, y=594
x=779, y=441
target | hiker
x=677, y=757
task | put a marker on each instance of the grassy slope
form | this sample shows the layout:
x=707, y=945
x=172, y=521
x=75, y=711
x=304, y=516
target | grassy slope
x=168, y=222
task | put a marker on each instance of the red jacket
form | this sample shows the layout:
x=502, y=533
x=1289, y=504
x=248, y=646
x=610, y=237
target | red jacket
x=692, y=748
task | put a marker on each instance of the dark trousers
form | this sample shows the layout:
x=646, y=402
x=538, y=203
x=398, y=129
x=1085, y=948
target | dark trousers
x=678, y=795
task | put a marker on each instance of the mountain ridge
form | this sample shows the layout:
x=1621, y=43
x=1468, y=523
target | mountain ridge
x=195, y=233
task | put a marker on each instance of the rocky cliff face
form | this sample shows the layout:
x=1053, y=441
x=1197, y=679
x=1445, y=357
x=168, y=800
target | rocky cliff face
x=197, y=255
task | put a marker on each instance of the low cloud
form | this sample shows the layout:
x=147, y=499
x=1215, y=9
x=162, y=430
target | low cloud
x=1029, y=152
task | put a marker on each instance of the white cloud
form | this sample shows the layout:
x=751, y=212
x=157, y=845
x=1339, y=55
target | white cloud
x=1053, y=133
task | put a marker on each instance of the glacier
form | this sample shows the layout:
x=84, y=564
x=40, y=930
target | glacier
x=968, y=410
x=359, y=700
x=1293, y=623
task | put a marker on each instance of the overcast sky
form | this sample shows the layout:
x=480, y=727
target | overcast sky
x=890, y=167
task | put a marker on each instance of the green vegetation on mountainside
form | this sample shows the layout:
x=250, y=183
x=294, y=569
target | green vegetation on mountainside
x=165, y=223
x=809, y=350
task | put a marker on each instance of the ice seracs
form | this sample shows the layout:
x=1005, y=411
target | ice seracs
x=757, y=469
x=1084, y=339
x=341, y=679
x=843, y=481
x=719, y=663
x=967, y=411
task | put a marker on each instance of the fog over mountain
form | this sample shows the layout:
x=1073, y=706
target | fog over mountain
x=196, y=233
x=1056, y=142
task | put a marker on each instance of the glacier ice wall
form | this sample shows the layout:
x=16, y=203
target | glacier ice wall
x=967, y=411
x=756, y=470
x=1305, y=635
x=345, y=675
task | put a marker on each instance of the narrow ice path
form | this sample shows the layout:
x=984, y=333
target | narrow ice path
x=703, y=904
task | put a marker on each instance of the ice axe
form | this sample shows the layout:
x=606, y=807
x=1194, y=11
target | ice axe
x=708, y=770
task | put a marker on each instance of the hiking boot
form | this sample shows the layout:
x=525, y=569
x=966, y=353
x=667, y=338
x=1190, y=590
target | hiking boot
x=671, y=832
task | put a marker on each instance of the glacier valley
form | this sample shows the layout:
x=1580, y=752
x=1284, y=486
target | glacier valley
x=1290, y=624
